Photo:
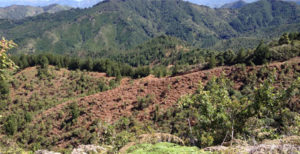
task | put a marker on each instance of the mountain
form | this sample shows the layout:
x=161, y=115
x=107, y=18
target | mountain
x=235, y=5
x=61, y=109
x=71, y=3
x=220, y=3
x=217, y=3
x=113, y=26
x=21, y=11
x=296, y=1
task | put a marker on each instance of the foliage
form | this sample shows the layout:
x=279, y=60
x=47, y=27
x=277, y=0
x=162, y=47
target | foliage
x=284, y=39
x=261, y=54
x=217, y=110
x=75, y=113
x=141, y=72
x=163, y=147
x=4, y=89
x=212, y=62
x=11, y=125
x=144, y=102
x=5, y=62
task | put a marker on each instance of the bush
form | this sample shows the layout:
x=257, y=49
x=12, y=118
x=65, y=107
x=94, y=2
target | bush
x=75, y=112
x=4, y=89
x=261, y=54
x=144, y=102
x=11, y=125
x=141, y=72
x=217, y=110
x=212, y=62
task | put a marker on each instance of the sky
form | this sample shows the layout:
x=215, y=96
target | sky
x=88, y=3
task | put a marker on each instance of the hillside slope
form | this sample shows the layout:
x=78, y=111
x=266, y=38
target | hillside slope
x=112, y=105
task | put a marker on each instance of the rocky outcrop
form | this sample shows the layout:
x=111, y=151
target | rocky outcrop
x=85, y=149
x=288, y=145
x=46, y=152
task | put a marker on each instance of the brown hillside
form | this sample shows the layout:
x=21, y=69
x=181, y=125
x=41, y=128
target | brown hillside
x=30, y=92
x=110, y=105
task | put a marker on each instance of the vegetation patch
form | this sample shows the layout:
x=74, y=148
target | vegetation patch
x=163, y=147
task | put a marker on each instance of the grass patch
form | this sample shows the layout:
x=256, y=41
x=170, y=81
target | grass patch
x=163, y=148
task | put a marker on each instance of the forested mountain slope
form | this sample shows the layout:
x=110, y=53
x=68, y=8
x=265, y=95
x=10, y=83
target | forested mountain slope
x=116, y=25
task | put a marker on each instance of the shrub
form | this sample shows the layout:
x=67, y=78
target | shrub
x=212, y=62
x=144, y=102
x=11, y=125
x=4, y=89
x=75, y=112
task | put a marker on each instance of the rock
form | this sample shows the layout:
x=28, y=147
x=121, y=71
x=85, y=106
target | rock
x=46, y=152
x=84, y=149
x=216, y=148
x=272, y=148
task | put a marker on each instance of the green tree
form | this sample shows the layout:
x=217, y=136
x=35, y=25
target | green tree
x=43, y=71
x=261, y=54
x=44, y=62
x=5, y=61
x=75, y=112
x=241, y=56
x=175, y=70
x=284, y=39
x=11, y=125
x=212, y=62
x=4, y=89
x=88, y=65
x=229, y=56
x=216, y=112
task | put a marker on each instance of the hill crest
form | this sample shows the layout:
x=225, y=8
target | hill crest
x=17, y=12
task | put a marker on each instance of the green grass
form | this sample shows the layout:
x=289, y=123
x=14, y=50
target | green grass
x=163, y=148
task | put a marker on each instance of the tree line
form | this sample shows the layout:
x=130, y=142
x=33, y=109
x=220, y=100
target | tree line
x=284, y=48
x=111, y=68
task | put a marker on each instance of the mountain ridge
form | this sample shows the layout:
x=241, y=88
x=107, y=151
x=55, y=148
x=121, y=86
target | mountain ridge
x=16, y=12
x=71, y=3
x=235, y=5
x=116, y=26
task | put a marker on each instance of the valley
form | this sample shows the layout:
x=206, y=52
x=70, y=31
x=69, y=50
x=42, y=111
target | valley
x=152, y=76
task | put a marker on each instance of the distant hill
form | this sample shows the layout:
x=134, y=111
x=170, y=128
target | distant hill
x=71, y=3
x=113, y=26
x=22, y=11
x=296, y=1
x=235, y=5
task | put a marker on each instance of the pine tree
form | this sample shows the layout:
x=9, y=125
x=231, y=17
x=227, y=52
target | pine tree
x=241, y=56
x=261, y=54
x=212, y=62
